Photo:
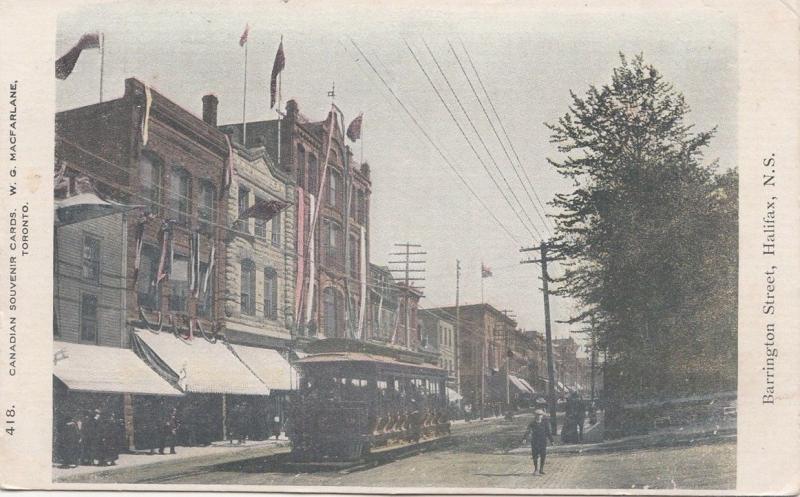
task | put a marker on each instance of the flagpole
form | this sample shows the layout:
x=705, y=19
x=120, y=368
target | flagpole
x=244, y=99
x=362, y=142
x=102, y=61
x=482, y=278
x=278, y=110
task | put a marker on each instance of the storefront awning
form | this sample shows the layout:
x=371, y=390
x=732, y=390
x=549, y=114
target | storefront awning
x=452, y=395
x=527, y=385
x=198, y=365
x=91, y=368
x=269, y=366
x=519, y=385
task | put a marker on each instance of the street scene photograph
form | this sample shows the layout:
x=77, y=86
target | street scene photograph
x=437, y=246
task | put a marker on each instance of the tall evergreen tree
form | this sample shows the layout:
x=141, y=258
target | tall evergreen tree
x=650, y=236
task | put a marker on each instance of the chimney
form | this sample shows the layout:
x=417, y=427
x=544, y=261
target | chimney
x=210, y=103
x=292, y=111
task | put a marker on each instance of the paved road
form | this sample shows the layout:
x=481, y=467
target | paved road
x=482, y=455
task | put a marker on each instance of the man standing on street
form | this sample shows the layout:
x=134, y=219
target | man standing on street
x=538, y=433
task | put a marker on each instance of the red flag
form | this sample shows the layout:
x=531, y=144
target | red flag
x=243, y=38
x=277, y=67
x=354, y=129
x=263, y=209
x=66, y=63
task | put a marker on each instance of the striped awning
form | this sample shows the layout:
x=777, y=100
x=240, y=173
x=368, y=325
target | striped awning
x=268, y=365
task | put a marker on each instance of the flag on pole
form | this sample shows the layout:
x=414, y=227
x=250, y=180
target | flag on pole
x=486, y=271
x=264, y=209
x=277, y=67
x=243, y=38
x=354, y=129
x=66, y=63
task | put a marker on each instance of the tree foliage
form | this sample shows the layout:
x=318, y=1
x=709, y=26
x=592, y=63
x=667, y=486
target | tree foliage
x=650, y=236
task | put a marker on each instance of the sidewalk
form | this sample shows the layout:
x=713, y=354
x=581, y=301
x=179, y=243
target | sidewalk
x=222, y=450
x=708, y=432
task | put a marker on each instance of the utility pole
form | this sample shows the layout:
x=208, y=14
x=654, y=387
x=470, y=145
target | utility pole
x=457, y=338
x=593, y=361
x=551, y=394
x=406, y=269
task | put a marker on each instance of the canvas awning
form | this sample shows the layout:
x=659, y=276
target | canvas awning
x=452, y=395
x=269, y=366
x=519, y=385
x=198, y=365
x=527, y=385
x=91, y=368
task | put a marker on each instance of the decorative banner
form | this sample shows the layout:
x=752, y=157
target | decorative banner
x=148, y=101
x=363, y=276
x=277, y=67
x=301, y=226
x=209, y=268
x=311, y=266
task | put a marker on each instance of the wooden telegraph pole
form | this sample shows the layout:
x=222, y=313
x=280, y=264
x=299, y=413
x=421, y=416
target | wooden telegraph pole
x=543, y=260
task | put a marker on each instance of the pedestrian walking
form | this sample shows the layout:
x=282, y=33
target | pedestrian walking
x=168, y=432
x=108, y=452
x=538, y=433
x=91, y=438
x=71, y=443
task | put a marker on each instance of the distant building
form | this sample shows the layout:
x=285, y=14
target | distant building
x=439, y=336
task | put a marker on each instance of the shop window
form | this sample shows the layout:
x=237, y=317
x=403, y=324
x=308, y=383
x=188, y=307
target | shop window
x=270, y=293
x=89, y=318
x=150, y=172
x=147, y=291
x=205, y=300
x=91, y=259
x=179, y=196
x=179, y=284
x=206, y=211
x=247, y=295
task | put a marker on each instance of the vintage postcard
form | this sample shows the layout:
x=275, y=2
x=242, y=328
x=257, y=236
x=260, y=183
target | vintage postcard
x=426, y=247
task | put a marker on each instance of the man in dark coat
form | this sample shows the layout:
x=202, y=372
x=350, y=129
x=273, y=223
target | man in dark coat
x=168, y=431
x=538, y=433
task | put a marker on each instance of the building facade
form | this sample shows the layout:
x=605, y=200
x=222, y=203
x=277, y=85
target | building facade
x=332, y=229
x=439, y=336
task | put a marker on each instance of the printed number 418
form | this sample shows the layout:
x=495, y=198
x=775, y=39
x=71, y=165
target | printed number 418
x=10, y=413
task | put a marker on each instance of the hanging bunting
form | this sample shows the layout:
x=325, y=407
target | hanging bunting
x=148, y=101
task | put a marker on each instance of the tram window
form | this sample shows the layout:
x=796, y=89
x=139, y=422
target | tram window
x=382, y=385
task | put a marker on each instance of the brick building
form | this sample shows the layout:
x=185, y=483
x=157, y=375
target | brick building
x=144, y=150
x=439, y=336
x=331, y=255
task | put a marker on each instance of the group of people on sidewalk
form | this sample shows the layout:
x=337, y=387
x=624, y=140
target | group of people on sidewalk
x=91, y=438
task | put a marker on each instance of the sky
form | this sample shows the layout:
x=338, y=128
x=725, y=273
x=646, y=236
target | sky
x=528, y=59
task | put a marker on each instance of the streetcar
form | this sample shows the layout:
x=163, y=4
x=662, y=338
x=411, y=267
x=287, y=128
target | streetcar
x=357, y=400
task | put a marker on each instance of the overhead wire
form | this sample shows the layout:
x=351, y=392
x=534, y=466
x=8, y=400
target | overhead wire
x=433, y=143
x=502, y=126
x=497, y=135
x=466, y=138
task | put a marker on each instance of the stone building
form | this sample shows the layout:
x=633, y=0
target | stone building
x=332, y=229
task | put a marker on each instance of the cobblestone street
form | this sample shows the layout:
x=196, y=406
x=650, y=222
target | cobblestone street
x=484, y=454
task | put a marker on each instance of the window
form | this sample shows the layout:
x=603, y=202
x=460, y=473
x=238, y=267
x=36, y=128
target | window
x=301, y=166
x=313, y=173
x=179, y=284
x=147, y=291
x=247, y=296
x=206, y=211
x=260, y=225
x=353, y=202
x=89, y=318
x=330, y=307
x=91, y=258
x=205, y=300
x=150, y=182
x=270, y=293
x=242, y=224
x=333, y=188
x=354, y=253
x=333, y=236
x=276, y=230
x=179, y=196
x=361, y=205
